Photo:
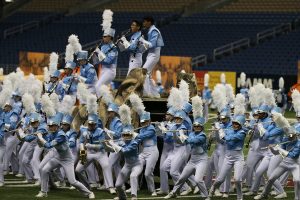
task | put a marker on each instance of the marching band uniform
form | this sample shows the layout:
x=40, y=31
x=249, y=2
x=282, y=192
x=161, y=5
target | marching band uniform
x=63, y=157
x=136, y=57
x=149, y=155
x=91, y=139
x=69, y=85
x=88, y=73
x=109, y=63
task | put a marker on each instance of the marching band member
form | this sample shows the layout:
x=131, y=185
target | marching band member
x=136, y=56
x=148, y=141
x=88, y=73
x=68, y=82
x=115, y=130
x=269, y=133
x=133, y=166
x=174, y=162
x=289, y=150
x=153, y=44
x=63, y=158
x=108, y=53
x=234, y=139
x=198, y=161
x=206, y=96
x=91, y=138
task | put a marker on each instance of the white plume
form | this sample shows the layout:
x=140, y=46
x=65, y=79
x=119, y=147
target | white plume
x=53, y=62
x=36, y=90
x=229, y=93
x=158, y=76
x=107, y=18
x=55, y=100
x=296, y=100
x=206, y=79
x=253, y=98
x=137, y=103
x=47, y=106
x=67, y=104
x=74, y=42
x=260, y=89
x=197, y=106
x=82, y=93
x=243, y=79
x=28, y=103
x=91, y=104
x=219, y=96
x=185, y=91
x=5, y=96
x=69, y=53
x=125, y=114
x=1, y=71
x=223, y=78
x=175, y=99
x=72, y=48
x=46, y=75
x=281, y=83
x=269, y=97
x=280, y=120
x=105, y=94
x=239, y=105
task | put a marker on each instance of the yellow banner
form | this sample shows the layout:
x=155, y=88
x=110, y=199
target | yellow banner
x=169, y=67
x=214, y=78
x=33, y=62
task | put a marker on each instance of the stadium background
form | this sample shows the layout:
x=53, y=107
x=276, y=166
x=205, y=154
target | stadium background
x=258, y=37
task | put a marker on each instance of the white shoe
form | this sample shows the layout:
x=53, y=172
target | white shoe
x=260, y=196
x=101, y=187
x=1, y=184
x=249, y=193
x=94, y=185
x=160, y=192
x=196, y=190
x=154, y=194
x=186, y=192
x=72, y=188
x=225, y=195
x=281, y=196
x=128, y=190
x=116, y=198
x=20, y=175
x=170, y=195
x=208, y=198
x=41, y=194
x=246, y=189
x=37, y=183
x=273, y=193
x=261, y=188
x=218, y=193
x=92, y=195
x=112, y=191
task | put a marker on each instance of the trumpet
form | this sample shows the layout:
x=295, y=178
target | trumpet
x=83, y=156
x=97, y=46
x=286, y=142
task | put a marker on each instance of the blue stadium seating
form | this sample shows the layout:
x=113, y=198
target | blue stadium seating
x=190, y=36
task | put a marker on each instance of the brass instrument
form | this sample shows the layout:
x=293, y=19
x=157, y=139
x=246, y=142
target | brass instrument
x=83, y=156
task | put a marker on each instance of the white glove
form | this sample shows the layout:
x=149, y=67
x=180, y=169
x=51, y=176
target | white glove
x=21, y=133
x=282, y=152
x=123, y=44
x=41, y=139
x=109, y=133
x=6, y=127
x=221, y=133
x=143, y=45
x=134, y=134
x=101, y=55
x=92, y=146
x=81, y=147
x=162, y=127
x=116, y=147
x=182, y=136
x=217, y=125
x=261, y=129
